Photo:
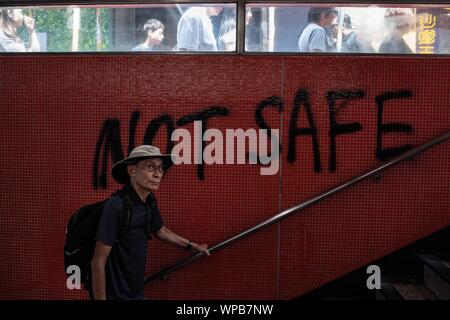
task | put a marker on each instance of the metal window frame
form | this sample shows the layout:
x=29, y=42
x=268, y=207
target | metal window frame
x=240, y=30
x=22, y=3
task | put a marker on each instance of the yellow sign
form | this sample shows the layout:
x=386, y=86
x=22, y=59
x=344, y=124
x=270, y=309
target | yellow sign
x=427, y=33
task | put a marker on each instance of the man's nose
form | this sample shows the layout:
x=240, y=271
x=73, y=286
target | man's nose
x=157, y=174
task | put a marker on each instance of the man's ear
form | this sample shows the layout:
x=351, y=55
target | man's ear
x=10, y=13
x=131, y=170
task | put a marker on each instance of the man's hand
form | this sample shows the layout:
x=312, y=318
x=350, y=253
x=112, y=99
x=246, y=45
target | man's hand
x=166, y=235
x=201, y=248
x=29, y=23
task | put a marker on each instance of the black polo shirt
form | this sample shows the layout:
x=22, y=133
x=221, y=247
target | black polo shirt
x=124, y=270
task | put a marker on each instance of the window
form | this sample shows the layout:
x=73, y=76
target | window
x=119, y=28
x=212, y=27
x=309, y=28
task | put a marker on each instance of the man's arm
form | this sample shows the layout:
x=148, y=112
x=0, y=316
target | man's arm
x=34, y=47
x=98, y=263
x=34, y=41
x=171, y=237
x=318, y=41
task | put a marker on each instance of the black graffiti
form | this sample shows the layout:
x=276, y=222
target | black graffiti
x=388, y=153
x=272, y=101
x=109, y=139
x=109, y=144
x=203, y=116
x=153, y=128
x=338, y=100
x=132, y=130
x=302, y=98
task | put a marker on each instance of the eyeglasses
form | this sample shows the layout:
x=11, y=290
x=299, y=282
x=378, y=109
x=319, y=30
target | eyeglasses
x=153, y=167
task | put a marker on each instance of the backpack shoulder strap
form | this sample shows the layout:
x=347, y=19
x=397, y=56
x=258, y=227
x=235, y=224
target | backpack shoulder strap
x=125, y=214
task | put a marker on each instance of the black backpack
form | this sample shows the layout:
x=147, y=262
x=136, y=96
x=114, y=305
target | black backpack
x=81, y=231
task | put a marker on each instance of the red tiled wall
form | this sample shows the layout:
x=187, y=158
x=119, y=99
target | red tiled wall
x=53, y=109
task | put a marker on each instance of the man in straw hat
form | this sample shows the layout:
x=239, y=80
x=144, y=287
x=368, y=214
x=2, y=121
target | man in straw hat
x=118, y=265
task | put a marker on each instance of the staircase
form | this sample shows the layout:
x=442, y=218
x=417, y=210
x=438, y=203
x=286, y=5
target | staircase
x=420, y=271
x=433, y=282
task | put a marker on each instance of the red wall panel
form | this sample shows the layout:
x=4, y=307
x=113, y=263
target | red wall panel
x=376, y=217
x=54, y=107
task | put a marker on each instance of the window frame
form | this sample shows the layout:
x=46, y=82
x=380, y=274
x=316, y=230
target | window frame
x=240, y=30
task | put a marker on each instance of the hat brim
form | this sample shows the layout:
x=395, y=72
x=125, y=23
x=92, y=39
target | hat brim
x=119, y=170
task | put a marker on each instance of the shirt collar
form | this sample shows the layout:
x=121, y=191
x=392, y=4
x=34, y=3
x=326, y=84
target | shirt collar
x=134, y=197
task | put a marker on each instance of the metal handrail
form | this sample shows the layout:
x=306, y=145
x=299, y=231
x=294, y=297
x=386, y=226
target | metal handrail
x=285, y=213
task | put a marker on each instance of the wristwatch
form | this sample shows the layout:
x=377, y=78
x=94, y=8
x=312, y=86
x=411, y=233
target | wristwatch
x=188, y=247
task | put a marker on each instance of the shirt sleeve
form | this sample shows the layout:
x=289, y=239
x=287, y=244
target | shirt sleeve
x=189, y=34
x=108, y=226
x=318, y=41
x=156, y=224
x=9, y=45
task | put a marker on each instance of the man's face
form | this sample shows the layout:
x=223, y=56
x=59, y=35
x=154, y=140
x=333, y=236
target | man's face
x=17, y=17
x=328, y=19
x=334, y=27
x=147, y=173
x=155, y=37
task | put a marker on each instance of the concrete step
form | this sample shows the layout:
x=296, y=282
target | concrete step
x=388, y=292
x=446, y=263
x=411, y=291
x=404, y=291
x=436, y=275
